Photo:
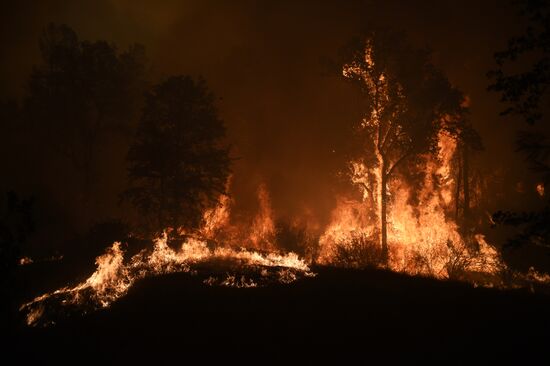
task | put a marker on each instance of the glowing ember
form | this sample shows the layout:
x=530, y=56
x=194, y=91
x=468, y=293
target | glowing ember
x=540, y=189
x=25, y=260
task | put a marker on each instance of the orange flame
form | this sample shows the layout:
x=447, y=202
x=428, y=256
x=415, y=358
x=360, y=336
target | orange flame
x=422, y=239
x=262, y=232
x=113, y=276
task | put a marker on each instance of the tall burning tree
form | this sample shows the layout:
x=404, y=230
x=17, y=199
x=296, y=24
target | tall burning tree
x=406, y=102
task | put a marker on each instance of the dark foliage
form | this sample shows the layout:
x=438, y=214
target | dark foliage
x=87, y=247
x=525, y=91
x=178, y=165
x=535, y=226
x=296, y=238
x=536, y=148
x=81, y=91
x=527, y=94
x=16, y=224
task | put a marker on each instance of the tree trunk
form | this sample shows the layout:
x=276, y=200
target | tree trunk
x=458, y=186
x=383, y=215
x=161, y=205
x=466, y=185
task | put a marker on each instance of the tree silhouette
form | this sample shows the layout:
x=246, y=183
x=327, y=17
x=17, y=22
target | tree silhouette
x=526, y=94
x=16, y=224
x=468, y=142
x=525, y=91
x=80, y=91
x=178, y=164
x=405, y=102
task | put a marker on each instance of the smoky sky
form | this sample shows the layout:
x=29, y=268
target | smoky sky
x=286, y=115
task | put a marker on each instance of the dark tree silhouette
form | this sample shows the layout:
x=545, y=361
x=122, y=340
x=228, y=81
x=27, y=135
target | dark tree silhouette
x=406, y=101
x=178, y=165
x=294, y=237
x=81, y=91
x=16, y=223
x=468, y=142
x=526, y=94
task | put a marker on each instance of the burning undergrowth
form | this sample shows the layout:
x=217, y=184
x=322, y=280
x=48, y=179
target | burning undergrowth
x=423, y=241
x=240, y=268
x=423, y=238
x=218, y=254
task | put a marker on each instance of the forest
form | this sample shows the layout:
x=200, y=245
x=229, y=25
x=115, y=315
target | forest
x=367, y=175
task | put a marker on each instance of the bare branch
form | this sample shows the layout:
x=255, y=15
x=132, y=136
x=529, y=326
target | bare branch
x=399, y=161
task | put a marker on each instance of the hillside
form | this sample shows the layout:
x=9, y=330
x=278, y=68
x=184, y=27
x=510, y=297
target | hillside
x=368, y=313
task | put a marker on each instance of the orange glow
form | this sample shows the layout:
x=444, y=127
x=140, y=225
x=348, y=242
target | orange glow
x=540, y=189
x=25, y=260
x=423, y=239
x=115, y=275
x=262, y=233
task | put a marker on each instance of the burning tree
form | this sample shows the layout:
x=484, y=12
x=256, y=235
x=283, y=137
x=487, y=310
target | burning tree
x=178, y=165
x=406, y=102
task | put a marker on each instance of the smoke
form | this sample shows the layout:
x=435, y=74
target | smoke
x=286, y=114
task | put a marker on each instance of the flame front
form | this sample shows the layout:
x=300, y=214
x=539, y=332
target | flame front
x=423, y=239
x=114, y=276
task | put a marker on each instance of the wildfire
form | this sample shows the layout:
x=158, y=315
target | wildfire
x=422, y=238
x=263, y=229
x=114, y=275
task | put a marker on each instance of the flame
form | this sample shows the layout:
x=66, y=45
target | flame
x=349, y=218
x=259, y=233
x=423, y=239
x=216, y=242
x=540, y=189
x=25, y=260
x=422, y=236
x=216, y=218
x=114, y=276
x=262, y=233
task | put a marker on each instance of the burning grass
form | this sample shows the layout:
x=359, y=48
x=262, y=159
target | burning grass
x=423, y=240
x=114, y=275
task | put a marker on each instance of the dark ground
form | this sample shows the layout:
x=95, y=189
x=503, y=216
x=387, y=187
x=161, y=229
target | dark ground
x=364, y=314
